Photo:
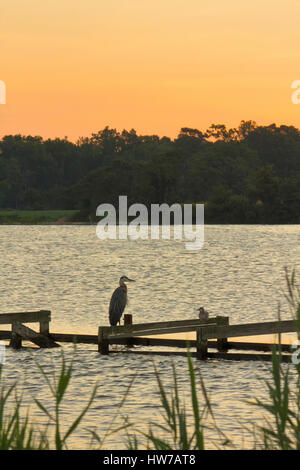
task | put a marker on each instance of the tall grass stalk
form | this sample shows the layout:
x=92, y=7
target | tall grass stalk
x=19, y=432
x=16, y=432
x=58, y=388
x=177, y=432
x=281, y=430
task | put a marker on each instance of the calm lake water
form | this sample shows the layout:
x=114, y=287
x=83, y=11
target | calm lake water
x=68, y=270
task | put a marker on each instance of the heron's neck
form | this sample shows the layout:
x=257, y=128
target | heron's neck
x=122, y=284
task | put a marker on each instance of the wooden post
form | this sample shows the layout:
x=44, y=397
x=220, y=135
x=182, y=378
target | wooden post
x=128, y=321
x=103, y=344
x=44, y=324
x=222, y=343
x=16, y=339
x=44, y=328
x=201, y=352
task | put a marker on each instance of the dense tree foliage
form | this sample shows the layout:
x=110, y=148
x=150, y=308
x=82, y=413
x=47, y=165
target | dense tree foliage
x=246, y=175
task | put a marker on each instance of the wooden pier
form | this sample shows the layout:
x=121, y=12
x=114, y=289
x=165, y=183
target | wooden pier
x=214, y=333
x=215, y=328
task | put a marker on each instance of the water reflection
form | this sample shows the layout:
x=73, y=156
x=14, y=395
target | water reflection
x=69, y=271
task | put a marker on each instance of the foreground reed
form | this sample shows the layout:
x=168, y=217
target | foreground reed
x=19, y=432
x=282, y=408
x=178, y=431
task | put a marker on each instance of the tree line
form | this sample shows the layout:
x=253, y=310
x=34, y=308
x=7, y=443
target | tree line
x=249, y=174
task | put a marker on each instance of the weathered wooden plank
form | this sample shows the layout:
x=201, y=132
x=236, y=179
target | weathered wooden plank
x=25, y=317
x=28, y=334
x=5, y=334
x=159, y=331
x=249, y=329
x=180, y=343
x=286, y=358
x=150, y=332
x=248, y=346
x=146, y=341
x=210, y=355
x=74, y=338
x=60, y=337
x=138, y=327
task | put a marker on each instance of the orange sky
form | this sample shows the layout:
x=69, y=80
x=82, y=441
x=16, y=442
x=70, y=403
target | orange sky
x=71, y=67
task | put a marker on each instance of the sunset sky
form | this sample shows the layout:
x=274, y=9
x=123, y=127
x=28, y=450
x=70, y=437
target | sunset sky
x=71, y=67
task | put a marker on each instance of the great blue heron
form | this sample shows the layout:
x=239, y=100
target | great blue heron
x=118, y=301
x=203, y=314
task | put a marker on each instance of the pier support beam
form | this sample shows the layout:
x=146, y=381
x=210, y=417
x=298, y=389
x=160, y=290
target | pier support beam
x=201, y=351
x=20, y=331
x=128, y=321
x=222, y=343
x=103, y=344
x=16, y=339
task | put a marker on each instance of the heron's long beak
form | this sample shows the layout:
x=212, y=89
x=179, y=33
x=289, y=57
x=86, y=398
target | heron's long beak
x=131, y=280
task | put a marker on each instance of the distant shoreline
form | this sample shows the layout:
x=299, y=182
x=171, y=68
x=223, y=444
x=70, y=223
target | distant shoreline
x=44, y=223
x=65, y=224
x=40, y=217
x=68, y=218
